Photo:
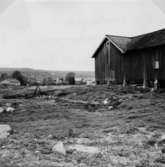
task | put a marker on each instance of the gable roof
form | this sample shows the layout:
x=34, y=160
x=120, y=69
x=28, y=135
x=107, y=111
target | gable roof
x=125, y=44
x=121, y=41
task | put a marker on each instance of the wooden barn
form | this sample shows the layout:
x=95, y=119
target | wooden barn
x=134, y=60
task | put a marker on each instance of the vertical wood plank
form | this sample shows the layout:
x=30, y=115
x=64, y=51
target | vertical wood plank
x=144, y=72
x=124, y=71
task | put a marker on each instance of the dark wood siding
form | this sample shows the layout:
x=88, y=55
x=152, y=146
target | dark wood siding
x=110, y=62
x=116, y=63
x=136, y=60
x=161, y=54
x=100, y=63
x=134, y=67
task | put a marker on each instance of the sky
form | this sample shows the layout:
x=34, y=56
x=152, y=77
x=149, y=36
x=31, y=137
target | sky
x=63, y=34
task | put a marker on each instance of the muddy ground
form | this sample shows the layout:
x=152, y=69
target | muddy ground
x=127, y=126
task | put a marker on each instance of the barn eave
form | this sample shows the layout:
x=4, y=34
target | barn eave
x=116, y=45
x=110, y=40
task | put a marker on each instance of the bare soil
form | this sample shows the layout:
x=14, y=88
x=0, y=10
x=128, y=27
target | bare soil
x=126, y=125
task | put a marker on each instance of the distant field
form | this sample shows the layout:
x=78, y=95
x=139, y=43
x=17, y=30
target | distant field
x=41, y=74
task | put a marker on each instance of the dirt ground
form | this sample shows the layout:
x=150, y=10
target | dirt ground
x=127, y=126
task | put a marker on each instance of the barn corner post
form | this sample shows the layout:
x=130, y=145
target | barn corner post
x=109, y=82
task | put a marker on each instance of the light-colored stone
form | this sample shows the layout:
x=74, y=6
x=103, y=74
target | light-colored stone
x=50, y=136
x=106, y=101
x=5, y=131
x=10, y=109
x=162, y=137
x=110, y=107
x=2, y=109
x=59, y=148
x=83, y=148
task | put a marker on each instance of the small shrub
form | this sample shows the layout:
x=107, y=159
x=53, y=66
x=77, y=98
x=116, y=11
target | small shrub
x=70, y=78
x=22, y=79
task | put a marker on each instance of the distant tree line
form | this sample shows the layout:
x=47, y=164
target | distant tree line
x=69, y=79
x=15, y=75
x=20, y=77
x=3, y=76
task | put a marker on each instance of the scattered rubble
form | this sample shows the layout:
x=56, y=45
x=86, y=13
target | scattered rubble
x=7, y=109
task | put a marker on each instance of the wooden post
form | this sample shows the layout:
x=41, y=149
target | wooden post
x=144, y=73
x=107, y=55
x=124, y=73
x=156, y=80
x=124, y=80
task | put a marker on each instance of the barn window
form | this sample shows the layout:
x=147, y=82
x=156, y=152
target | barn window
x=156, y=66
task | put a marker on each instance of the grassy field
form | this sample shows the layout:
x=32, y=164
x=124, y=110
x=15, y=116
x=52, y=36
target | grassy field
x=127, y=126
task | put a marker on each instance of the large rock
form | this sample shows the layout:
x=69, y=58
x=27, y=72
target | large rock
x=83, y=148
x=83, y=141
x=5, y=131
x=59, y=148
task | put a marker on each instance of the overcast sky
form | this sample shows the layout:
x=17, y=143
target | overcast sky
x=63, y=34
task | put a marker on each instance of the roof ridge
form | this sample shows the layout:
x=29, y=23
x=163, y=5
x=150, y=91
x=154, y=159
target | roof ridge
x=151, y=32
x=121, y=36
x=136, y=36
